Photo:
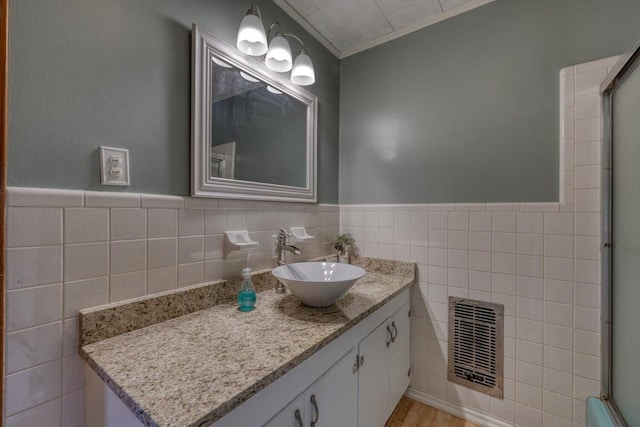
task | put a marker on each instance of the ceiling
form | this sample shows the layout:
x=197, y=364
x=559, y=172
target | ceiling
x=346, y=27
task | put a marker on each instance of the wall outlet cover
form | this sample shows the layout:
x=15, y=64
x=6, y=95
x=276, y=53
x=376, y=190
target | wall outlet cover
x=114, y=166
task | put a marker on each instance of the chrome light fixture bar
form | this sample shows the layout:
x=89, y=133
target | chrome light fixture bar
x=253, y=40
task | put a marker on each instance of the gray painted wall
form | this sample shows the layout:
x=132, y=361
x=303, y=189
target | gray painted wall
x=85, y=73
x=467, y=110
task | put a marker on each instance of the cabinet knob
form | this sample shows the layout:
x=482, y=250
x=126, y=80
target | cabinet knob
x=316, y=411
x=299, y=418
x=390, y=340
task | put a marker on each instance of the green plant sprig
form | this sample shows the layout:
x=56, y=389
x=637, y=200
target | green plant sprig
x=343, y=241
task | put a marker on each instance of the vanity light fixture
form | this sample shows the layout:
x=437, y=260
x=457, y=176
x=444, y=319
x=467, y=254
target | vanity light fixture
x=252, y=40
x=302, y=73
x=279, y=54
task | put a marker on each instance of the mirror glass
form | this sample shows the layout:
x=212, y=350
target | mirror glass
x=254, y=131
x=257, y=131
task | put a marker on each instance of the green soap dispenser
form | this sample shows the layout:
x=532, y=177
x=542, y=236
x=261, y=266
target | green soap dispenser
x=247, y=294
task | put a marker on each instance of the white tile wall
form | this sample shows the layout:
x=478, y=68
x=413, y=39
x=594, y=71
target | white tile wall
x=68, y=250
x=542, y=260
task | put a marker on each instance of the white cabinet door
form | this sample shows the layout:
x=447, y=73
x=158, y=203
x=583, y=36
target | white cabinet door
x=332, y=400
x=399, y=359
x=291, y=416
x=373, y=379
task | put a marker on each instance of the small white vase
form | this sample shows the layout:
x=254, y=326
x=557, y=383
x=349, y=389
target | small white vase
x=344, y=256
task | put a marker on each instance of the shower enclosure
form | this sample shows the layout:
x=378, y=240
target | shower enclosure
x=621, y=236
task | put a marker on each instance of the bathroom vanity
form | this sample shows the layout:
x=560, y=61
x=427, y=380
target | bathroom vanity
x=283, y=364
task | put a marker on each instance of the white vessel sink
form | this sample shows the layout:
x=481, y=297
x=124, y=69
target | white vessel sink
x=318, y=284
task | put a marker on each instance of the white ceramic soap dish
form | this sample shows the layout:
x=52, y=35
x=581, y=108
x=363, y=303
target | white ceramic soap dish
x=238, y=241
x=299, y=234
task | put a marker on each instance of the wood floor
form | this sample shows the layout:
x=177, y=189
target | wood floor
x=410, y=413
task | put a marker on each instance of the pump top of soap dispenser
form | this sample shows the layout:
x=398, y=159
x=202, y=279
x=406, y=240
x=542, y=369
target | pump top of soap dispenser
x=247, y=294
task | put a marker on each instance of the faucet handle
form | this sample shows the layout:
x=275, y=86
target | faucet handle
x=285, y=232
x=282, y=237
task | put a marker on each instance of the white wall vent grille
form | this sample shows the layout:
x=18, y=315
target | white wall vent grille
x=476, y=345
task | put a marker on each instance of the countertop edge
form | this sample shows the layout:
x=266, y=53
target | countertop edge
x=246, y=394
x=128, y=401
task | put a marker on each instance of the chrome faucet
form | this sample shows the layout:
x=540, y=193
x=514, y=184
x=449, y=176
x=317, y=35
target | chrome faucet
x=282, y=246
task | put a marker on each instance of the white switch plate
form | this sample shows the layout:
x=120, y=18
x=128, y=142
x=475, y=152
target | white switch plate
x=114, y=166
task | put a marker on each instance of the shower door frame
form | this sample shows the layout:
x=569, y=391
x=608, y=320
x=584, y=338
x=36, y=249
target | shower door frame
x=627, y=63
x=4, y=62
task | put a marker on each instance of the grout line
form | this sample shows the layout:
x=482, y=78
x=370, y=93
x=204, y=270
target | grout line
x=39, y=404
x=39, y=365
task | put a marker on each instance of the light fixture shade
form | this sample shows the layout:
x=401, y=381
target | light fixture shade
x=252, y=39
x=220, y=62
x=279, y=54
x=249, y=77
x=302, y=73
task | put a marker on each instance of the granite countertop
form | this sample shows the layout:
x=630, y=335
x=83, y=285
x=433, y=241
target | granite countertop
x=194, y=369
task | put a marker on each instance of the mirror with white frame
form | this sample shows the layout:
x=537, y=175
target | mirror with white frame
x=253, y=131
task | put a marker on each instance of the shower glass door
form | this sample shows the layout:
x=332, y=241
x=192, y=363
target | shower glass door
x=622, y=381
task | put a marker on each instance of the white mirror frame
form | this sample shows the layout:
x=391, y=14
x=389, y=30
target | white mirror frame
x=202, y=184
